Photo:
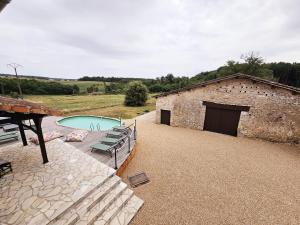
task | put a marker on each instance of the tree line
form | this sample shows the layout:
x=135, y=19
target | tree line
x=111, y=79
x=251, y=64
x=35, y=87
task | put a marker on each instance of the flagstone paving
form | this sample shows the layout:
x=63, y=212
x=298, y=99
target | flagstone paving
x=72, y=187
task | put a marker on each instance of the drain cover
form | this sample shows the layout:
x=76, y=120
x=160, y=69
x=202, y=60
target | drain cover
x=138, y=179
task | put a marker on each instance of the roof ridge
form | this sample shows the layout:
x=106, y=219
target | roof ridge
x=232, y=76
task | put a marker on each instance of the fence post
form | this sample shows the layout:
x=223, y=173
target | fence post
x=116, y=164
x=128, y=143
x=134, y=130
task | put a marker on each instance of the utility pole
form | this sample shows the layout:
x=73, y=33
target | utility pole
x=14, y=66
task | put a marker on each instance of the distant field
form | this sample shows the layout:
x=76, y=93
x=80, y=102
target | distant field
x=83, y=85
x=104, y=105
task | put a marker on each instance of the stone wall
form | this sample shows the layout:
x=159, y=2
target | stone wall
x=274, y=112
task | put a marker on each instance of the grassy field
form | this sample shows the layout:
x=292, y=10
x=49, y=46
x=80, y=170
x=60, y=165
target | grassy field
x=104, y=105
x=83, y=85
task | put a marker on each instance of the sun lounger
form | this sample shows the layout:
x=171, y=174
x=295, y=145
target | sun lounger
x=119, y=128
x=5, y=167
x=122, y=129
x=4, y=124
x=110, y=141
x=115, y=134
x=10, y=127
x=9, y=136
x=99, y=147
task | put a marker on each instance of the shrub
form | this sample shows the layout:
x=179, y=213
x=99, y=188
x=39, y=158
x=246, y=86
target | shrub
x=136, y=94
x=14, y=94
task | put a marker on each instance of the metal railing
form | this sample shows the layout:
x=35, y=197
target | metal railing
x=98, y=127
x=129, y=142
x=92, y=127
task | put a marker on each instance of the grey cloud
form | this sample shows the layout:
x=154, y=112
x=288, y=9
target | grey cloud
x=90, y=44
x=144, y=38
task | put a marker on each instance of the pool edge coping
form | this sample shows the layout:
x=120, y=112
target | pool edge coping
x=56, y=121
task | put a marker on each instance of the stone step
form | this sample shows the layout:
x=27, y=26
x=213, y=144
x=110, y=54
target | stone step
x=74, y=213
x=99, y=195
x=115, y=207
x=92, y=215
x=126, y=214
x=60, y=207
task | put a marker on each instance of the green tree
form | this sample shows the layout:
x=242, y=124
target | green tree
x=156, y=88
x=75, y=89
x=170, y=78
x=136, y=94
x=253, y=63
x=89, y=89
x=231, y=67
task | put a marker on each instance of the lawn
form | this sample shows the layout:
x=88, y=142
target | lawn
x=104, y=105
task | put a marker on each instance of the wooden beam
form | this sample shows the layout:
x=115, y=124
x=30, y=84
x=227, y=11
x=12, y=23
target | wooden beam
x=4, y=121
x=38, y=125
x=17, y=118
x=225, y=106
x=21, y=116
x=22, y=133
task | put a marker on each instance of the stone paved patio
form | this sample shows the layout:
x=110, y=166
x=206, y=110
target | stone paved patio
x=49, y=124
x=37, y=193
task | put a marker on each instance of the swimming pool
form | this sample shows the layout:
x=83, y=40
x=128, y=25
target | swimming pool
x=92, y=123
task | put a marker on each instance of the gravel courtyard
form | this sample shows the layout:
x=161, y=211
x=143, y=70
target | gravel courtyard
x=200, y=177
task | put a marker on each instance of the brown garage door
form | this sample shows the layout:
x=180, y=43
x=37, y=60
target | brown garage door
x=223, y=119
x=165, y=117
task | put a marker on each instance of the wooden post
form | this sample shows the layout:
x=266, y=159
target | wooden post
x=134, y=130
x=116, y=161
x=21, y=129
x=128, y=143
x=39, y=132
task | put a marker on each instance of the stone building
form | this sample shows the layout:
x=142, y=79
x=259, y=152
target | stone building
x=238, y=105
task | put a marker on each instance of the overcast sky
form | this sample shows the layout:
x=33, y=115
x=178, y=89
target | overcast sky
x=144, y=38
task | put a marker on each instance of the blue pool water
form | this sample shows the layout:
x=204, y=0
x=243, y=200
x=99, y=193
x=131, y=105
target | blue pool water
x=92, y=123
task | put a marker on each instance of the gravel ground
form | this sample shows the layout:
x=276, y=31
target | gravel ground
x=199, y=177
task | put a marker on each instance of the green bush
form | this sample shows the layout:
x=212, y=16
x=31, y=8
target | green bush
x=14, y=94
x=136, y=94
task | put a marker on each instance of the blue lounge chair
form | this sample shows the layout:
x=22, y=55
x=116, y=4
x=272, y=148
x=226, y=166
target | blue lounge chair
x=10, y=127
x=115, y=134
x=99, y=147
x=110, y=141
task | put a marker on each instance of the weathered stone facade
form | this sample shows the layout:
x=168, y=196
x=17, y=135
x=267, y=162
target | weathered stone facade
x=274, y=111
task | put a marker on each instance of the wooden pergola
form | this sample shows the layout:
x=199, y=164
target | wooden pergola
x=3, y=3
x=17, y=111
